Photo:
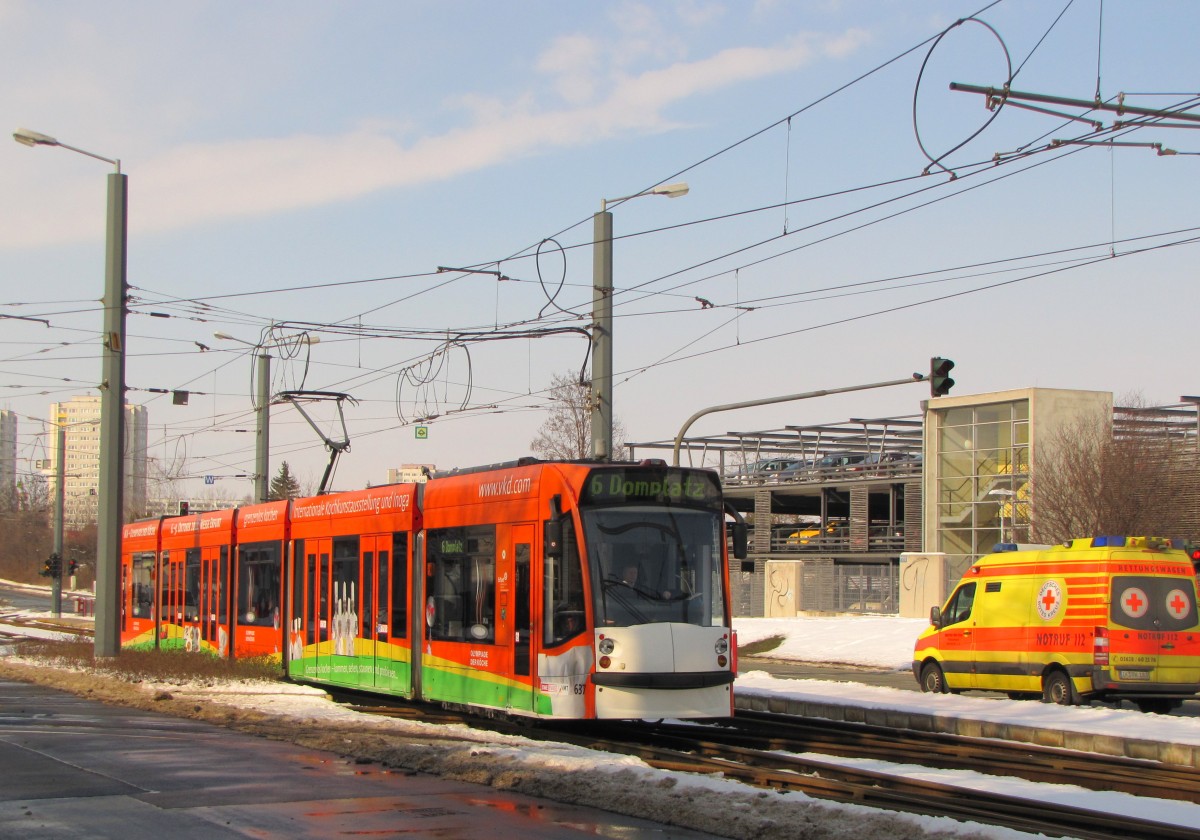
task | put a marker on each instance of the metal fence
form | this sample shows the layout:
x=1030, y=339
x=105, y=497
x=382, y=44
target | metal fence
x=857, y=588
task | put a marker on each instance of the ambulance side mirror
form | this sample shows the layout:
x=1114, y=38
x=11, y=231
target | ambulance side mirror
x=935, y=617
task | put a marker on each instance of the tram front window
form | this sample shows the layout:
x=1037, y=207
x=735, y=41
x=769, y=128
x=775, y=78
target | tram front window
x=655, y=564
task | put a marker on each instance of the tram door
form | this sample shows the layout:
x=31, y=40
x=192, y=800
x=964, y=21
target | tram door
x=376, y=551
x=213, y=600
x=314, y=609
x=523, y=623
x=204, y=605
x=171, y=600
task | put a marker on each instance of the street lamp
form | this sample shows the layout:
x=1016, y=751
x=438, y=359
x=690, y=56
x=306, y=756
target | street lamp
x=602, y=295
x=111, y=491
x=262, y=408
x=1012, y=511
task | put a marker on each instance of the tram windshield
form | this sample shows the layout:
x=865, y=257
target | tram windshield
x=654, y=564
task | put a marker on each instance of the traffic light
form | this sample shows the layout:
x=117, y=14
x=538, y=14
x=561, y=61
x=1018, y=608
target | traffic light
x=45, y=570
x=940, y=382
x=72, y=566
x=52, y=567
x=183, y=508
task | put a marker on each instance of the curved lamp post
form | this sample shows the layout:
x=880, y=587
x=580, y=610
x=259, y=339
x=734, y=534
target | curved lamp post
x=110, y=511
x=602, y=297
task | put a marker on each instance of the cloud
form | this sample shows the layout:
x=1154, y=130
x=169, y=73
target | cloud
x=573, y=60
x=200, y=183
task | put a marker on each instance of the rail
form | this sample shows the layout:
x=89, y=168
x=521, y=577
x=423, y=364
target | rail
x=764, y=751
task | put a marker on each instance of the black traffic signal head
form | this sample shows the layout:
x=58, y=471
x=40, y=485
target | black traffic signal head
x=940, y=382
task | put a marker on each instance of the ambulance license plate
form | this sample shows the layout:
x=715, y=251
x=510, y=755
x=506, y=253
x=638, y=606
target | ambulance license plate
x=1133, y=675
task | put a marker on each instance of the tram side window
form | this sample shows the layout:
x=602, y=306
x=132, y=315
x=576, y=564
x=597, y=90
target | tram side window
x=346, y=593
x=258, y=576
x=563, y=590
x=399, y=621
x=223, y=589
x=191, y=585
x=462, y=584
x=296, y=615
x=143, y=585
x=166, y=586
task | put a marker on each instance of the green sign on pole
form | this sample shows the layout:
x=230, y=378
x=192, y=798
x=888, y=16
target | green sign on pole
x=422, y=432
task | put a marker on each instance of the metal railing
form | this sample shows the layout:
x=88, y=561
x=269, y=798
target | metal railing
x=854, y=588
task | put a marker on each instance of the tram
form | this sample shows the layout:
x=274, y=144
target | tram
x=571, y=590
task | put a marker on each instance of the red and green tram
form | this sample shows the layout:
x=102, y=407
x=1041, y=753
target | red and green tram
x=543, y=589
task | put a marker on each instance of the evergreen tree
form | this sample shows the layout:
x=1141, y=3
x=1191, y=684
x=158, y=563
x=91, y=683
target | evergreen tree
x=284, y=485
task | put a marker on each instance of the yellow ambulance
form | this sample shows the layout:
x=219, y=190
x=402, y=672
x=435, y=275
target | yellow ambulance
x=1101, y=618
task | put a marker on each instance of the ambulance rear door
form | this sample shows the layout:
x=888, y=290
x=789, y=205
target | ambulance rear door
x=1153, y=618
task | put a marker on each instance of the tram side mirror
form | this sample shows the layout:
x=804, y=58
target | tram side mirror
x=935, y=617
x=741, y=539
x=552, y=529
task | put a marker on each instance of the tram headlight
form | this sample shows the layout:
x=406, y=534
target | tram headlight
x=722, y=646
x=607, y=646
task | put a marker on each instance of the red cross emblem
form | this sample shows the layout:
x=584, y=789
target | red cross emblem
x=1178, y=604
x=1134, y=602
x=1049, y=600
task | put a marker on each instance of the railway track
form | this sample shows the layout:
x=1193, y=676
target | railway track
x=57, y=625
x=763, y=750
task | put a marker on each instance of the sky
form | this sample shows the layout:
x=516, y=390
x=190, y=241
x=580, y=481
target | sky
x=868, y=641
x=310, y=168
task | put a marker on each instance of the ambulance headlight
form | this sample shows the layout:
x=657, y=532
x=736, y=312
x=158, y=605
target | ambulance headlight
x=607, y=646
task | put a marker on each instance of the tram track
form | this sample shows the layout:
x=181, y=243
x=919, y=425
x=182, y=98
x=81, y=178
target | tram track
x=65, y=627
x=745, y=751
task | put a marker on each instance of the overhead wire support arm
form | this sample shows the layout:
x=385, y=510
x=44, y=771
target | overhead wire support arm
x=1001, y=95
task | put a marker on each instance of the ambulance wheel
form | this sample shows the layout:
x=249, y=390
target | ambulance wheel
x=933, y=680
x=1058, y=688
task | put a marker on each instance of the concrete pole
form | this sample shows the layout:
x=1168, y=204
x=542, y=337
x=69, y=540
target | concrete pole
x=602, y=349
x=262, y=447
x=110, y=512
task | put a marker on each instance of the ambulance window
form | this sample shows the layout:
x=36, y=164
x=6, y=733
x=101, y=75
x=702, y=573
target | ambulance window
x=992, y=586
x=1153, y=603
x=959, y=607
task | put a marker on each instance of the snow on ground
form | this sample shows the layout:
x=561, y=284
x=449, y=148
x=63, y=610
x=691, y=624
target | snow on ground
x=883, y=642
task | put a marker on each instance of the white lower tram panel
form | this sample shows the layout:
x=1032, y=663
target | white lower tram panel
x=662, y=671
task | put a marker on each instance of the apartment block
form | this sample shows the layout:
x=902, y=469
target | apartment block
x=80, y=417
x=409, y=473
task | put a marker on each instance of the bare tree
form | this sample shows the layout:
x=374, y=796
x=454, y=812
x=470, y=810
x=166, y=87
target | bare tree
x=1136, y=478
x=566, y=433
x=27, y=529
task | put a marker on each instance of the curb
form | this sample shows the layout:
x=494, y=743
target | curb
x=1184, y=755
